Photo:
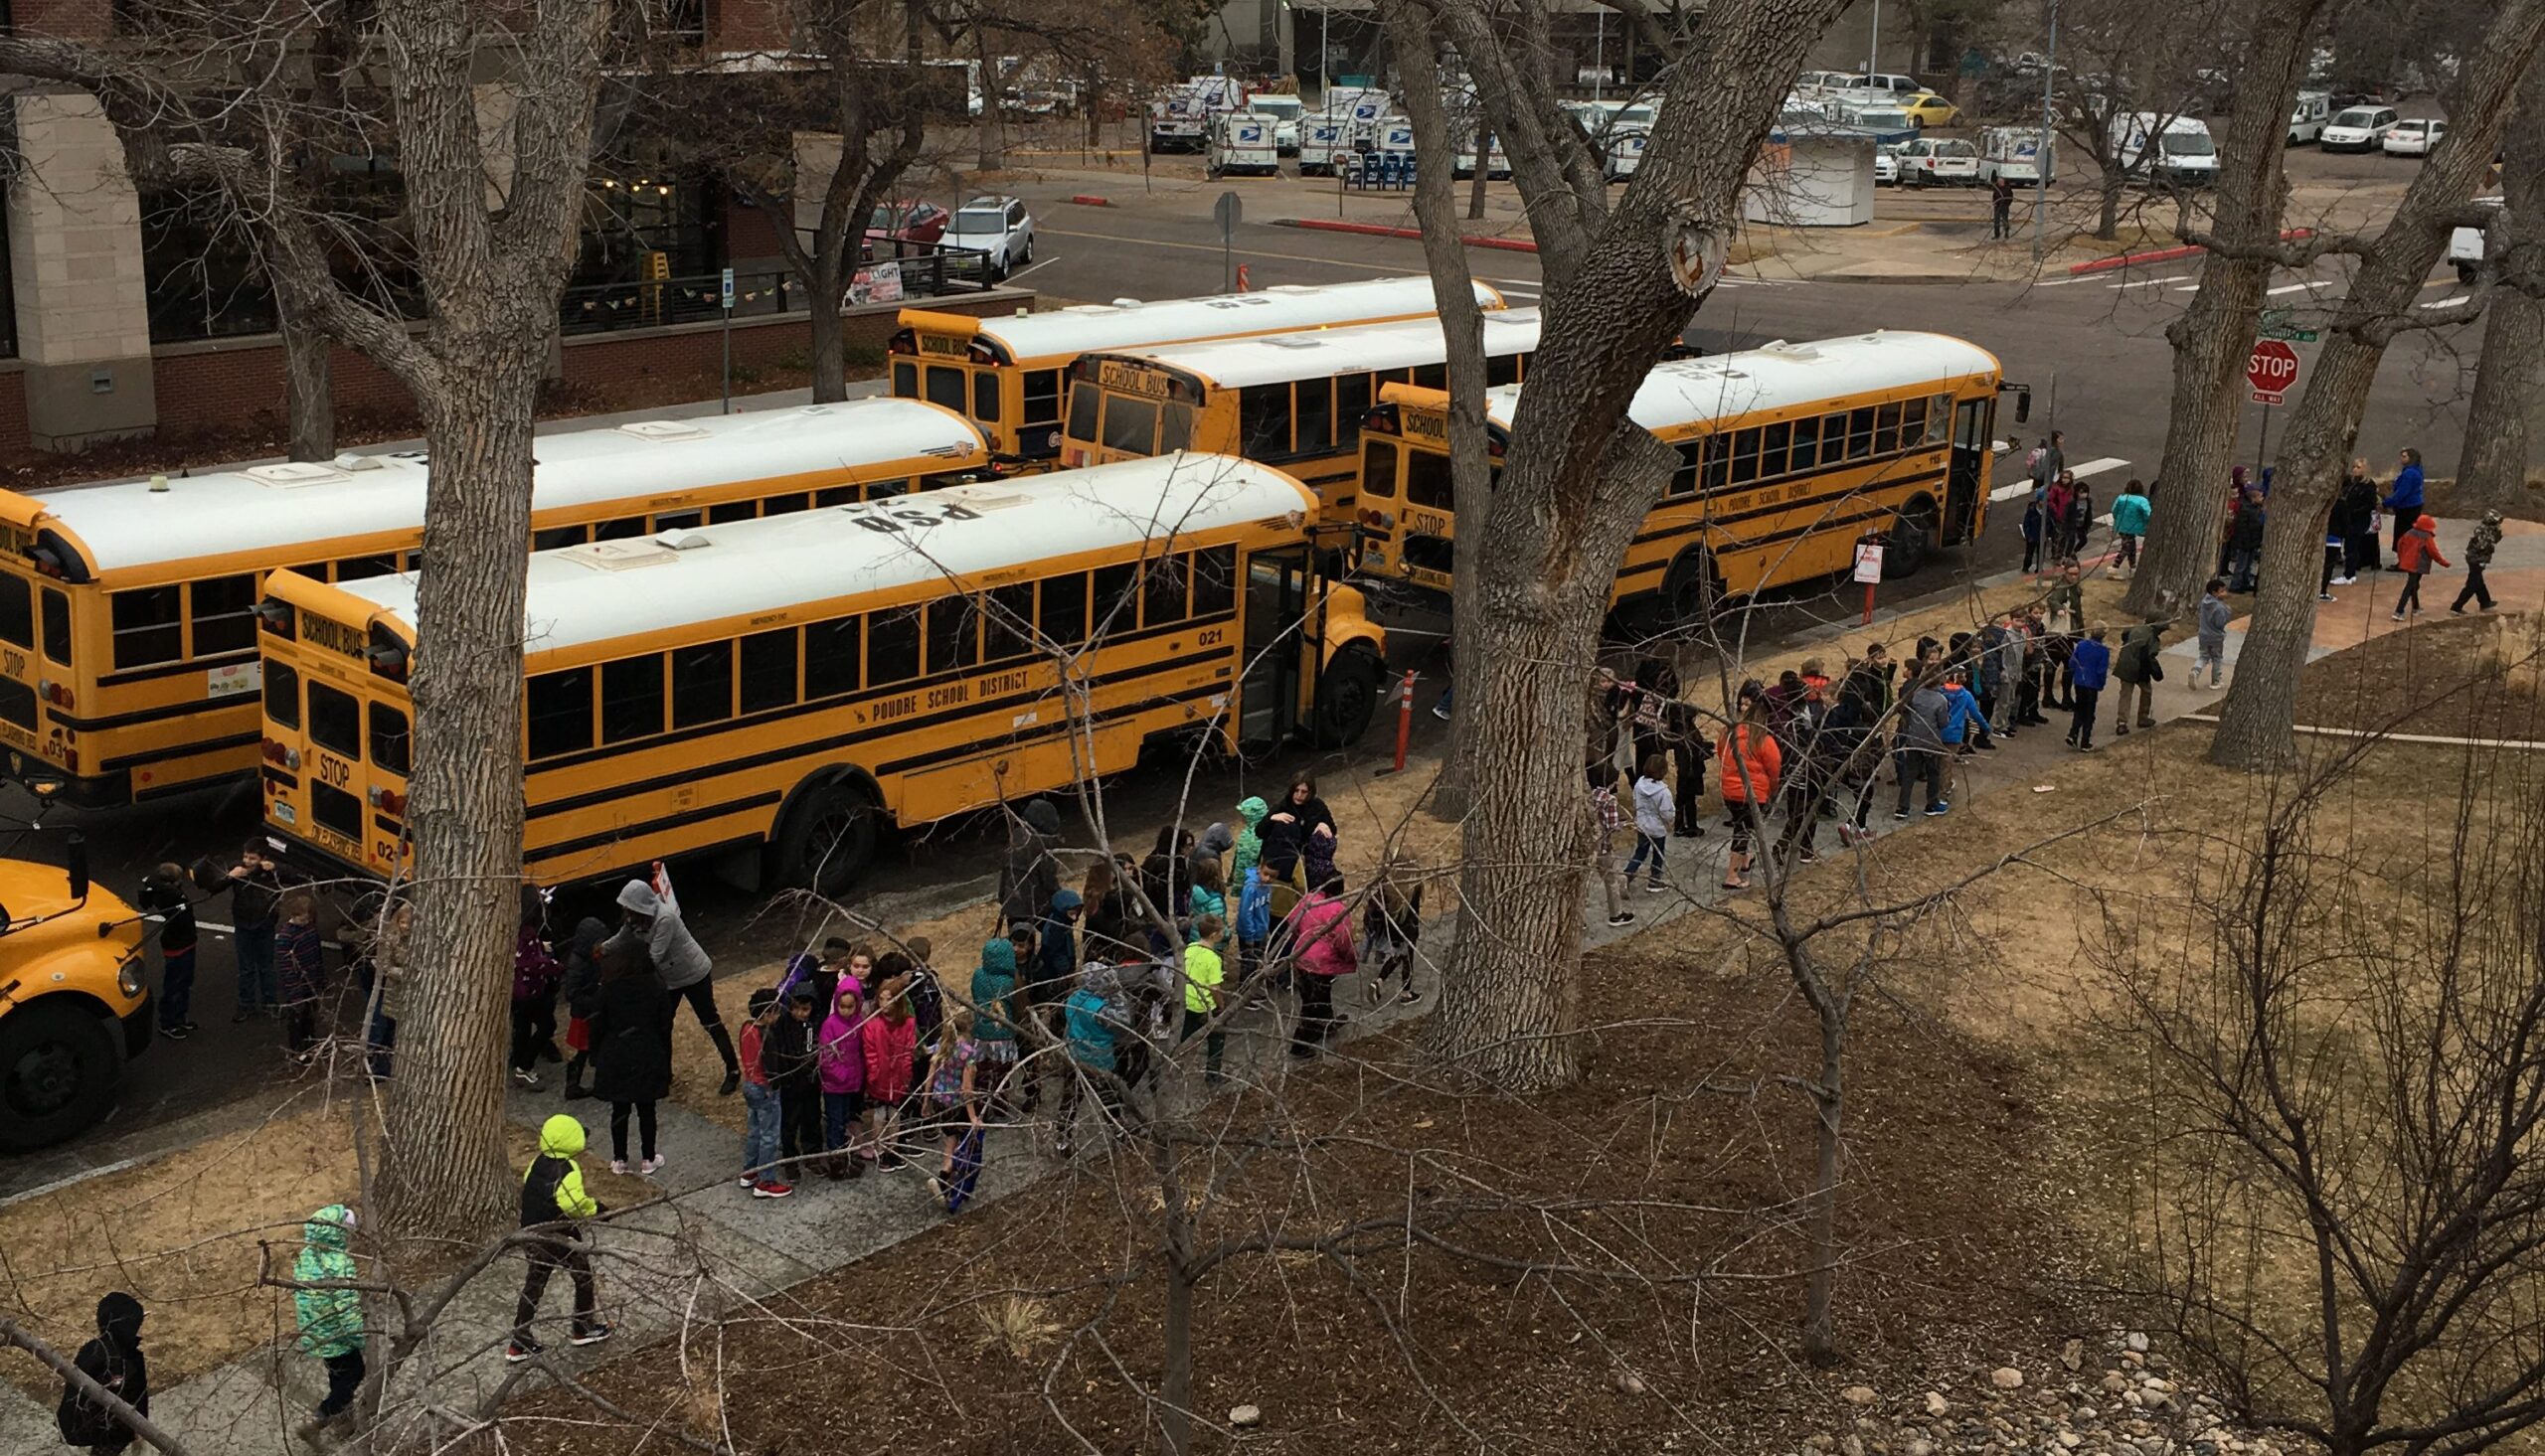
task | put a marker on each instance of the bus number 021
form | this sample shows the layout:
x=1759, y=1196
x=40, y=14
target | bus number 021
x=1214, y=636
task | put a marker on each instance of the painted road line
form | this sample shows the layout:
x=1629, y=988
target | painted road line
x=2308, y=285
x=2009, y=492
x=1029, y=267
x=2148, y=282
x=2062, y=282
x=2097, y=467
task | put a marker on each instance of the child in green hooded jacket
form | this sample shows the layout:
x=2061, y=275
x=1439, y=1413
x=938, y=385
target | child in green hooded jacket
x=330, y=1320
x=1249, y=844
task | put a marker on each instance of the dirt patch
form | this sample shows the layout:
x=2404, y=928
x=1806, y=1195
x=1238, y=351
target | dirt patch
x=184, y=1233
x=2479, y=677
x=2438, y=498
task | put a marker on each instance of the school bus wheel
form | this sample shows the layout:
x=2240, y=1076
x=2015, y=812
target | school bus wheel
x=1693, y=590
x=1910, y=536
x=826, y=836
x=1347, y=695
x=58, y=1067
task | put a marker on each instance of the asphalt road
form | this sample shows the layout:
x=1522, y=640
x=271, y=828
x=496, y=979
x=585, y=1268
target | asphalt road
x=2094, y=351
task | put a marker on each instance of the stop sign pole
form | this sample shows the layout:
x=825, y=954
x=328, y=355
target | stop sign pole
x=2271, y=370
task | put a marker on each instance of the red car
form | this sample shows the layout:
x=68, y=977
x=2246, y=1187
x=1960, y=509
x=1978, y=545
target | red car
x=913, y=220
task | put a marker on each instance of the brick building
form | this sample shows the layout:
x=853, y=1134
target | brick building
x=126, y=312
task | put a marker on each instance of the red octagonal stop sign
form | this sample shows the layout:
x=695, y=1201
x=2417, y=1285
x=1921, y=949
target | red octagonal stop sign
x=2271, y=369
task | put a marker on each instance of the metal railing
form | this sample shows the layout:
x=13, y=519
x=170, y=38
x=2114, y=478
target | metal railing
x=900, y=271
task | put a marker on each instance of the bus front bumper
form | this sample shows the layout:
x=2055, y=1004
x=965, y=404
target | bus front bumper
x=51, y=783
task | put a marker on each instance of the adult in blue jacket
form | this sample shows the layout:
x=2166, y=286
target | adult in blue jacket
x=2403, y=501
x=2089, y=668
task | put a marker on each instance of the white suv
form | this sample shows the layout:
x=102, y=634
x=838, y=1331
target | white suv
x=998, y=228
x=2358, y=129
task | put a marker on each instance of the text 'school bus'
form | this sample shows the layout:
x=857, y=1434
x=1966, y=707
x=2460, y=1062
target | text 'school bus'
x=1295, y=400
x=127, y=612
x=1005, y=373
x=1789, y=455
x=797, y=687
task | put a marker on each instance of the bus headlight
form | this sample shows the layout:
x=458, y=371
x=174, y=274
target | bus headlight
x=128, y=977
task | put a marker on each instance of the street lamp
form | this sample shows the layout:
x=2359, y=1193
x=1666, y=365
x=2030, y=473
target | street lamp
x=1873, y=46
x=2041, y=145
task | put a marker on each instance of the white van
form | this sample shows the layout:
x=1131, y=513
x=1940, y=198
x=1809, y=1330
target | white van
x=1242, y=144
x=2023, y=155
x=2306, y=119
x=1906, y=86
x=2465, y=246
x=2357, y=129
x=1286, y=113
x=1933, y=162
x=2182, y=154
x=1819, y=82
x=1497, y=165
x=1322, y=138
x=1180, y=121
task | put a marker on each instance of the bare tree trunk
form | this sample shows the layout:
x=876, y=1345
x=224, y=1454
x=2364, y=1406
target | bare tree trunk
x=309, y=392
x=993, y=145
x=1829, y=1147
x=2108, y=220
x=2211, y=336
x=1475, y=184
x=1462, y=330
x=2509, y=380
x=830, y=335
x=2253, y=727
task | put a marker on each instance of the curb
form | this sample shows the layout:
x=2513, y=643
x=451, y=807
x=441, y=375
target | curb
x=1090, y=200
x=1381, y=229
x=2166, y=254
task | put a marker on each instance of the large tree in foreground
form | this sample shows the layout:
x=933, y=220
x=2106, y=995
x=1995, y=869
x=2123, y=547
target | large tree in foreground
x=1576, y=482
x=2509, y=379
x=2253, y=727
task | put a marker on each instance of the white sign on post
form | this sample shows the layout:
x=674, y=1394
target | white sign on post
x=1868, y=562
x=729, y=290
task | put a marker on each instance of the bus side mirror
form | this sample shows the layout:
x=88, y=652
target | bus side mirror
x=77, y=855
x=2023, y=400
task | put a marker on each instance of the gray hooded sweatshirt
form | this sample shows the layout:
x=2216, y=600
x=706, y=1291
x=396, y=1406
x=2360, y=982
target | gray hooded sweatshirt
x=678, y=957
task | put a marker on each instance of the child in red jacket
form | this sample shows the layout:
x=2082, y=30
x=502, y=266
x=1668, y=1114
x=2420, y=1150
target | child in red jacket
x=2414, y=553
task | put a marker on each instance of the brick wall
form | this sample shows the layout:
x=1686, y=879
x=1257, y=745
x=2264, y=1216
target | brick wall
x=746, y=25
x=601, y=360
x=75, y=20
x=13, y=413
x=217, y=386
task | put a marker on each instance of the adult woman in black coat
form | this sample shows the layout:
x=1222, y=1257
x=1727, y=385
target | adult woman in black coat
x=632, y=1043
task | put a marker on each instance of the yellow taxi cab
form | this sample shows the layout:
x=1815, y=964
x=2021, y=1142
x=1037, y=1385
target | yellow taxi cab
x=1928, y=109
x=74, y=1006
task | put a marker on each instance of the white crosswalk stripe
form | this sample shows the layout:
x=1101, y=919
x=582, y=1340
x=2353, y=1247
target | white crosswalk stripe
x=2086, y=471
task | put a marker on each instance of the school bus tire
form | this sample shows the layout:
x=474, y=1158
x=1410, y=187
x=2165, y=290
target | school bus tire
x=826, y=835
x=60, y=1065
x=1692, y=591
x=1909, y=540
x=1347, y=695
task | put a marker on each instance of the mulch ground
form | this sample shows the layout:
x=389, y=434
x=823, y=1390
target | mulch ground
x=2477, y=676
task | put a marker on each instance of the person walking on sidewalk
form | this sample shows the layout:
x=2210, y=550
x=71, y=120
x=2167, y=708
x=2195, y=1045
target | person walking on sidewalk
x=1652, y=815
x=2245, y=540
x=2089, y=668
x=2214, y=615
x=2355, y=519
x=632, y=1043
x=760, y=1101
x=330, y=1320
x=1750, y=763
x=2478, y=554
x=2001, y=206
x=115, y=1360
x=163, y=899
x=653, y=919
x=1918, y=755
x=1320, y=936
x=2404, y=497
x=2140, y=672
x=554, y=1204
x=534, y=1003
x=1605, y=820
x=2130, y=512
x=2415, y=551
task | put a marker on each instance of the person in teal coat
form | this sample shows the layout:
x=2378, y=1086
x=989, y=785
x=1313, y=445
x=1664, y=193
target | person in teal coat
x=2130, y=512
x=330, y=1320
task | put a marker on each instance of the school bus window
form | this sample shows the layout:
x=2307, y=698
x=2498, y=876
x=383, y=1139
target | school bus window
x=1806, y=443
x=17, y=611
x=224, y=612
x=146, y=626
x=1428, y=482
x=412, y=561
x=560, y=711
x=1162, y=590
x=1502, y=369
x=678, y=520
x=1215, y=581
x=1175, y=429
x=335, y=809
x=283, y=694
x=786, y=505
x=953, y=634
x=388, y=741
x=1378, y=469
x=1388, y=377
x=939, y=481
x=1431, y=375
x=732, y=511
x=946, y=387
x=632, y=697
x=1912, y=423
x=986, y=396
x=1938, y=419
x=1745, y=457
x=335, y=720
x=901, y=485
x=1064, y=610
x=17, y=703
x=1776, y=442
x=1315, y=415
x=1683, y=481
x=1885, y=429
x=892, y=646
x=1042, y=396
x=355, y=569
x=1351, y=403
x=626, y=527
x=1118, y=607
x=702, y=683
x=1084, y=402
x=1718, y=463
x=1130, y=425
x=769, y=670
x=556, y=537
x=833, y=654
x=905, y=381
x=1860, y=434
x=838, y=495
x=1011, y=622
x=1264, y=421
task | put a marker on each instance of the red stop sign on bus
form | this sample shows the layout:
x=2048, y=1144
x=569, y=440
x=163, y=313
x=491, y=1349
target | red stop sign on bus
x=2271, y=369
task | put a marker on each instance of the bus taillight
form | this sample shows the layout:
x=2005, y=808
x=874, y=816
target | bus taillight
x=388, y=801
x=281, y=755
x=1382, y=520
x=55, y=694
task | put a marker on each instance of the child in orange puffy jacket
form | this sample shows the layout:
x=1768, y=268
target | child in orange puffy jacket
x=2414, y=553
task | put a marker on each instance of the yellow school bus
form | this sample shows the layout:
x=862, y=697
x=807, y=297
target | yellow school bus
x=1296, y=400
x=127, y=639
x=1789, y=455
x=1005, y=373
x=784, y=692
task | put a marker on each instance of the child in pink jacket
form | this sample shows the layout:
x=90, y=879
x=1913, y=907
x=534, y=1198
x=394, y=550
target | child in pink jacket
x=840, y=1055
x=1320, y=936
